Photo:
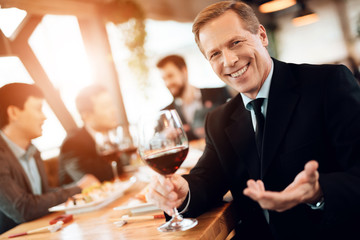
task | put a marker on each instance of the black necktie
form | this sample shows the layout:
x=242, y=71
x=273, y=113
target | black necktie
x=260, y=121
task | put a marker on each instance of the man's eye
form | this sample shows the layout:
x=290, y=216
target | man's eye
x=214, y=55
x=235, y=43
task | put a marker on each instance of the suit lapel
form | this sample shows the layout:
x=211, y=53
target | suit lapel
x=14, y=163
x=283, y=97
x=241, y=134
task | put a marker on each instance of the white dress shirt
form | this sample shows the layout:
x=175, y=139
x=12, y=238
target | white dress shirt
x=27, y=161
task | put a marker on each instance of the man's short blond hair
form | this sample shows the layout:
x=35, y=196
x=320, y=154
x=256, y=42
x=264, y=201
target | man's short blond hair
x=244, y=11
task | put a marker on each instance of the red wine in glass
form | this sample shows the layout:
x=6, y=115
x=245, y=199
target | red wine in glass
x=168, y=161
x=163, y=146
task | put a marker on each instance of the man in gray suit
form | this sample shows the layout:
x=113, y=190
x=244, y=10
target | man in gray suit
x=24, y=191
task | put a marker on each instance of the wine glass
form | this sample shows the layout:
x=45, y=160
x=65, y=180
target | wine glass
x=125, y=139
x=163, y=146
x=107, y=148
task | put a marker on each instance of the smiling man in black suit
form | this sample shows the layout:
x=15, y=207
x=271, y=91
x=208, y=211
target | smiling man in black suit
x=287, y=146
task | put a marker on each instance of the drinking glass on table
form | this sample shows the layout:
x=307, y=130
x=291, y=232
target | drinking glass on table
x=125, y=139
x=163, y=146
x=107, y=148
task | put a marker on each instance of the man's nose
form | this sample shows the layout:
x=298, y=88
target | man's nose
x=167, y=83
x=229, y=58
x=43, y=116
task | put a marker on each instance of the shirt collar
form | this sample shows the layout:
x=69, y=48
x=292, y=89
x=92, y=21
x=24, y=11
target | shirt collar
x=264, y=90
x=17, y=150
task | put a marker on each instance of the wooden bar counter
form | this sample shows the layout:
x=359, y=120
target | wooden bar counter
x=215, y=224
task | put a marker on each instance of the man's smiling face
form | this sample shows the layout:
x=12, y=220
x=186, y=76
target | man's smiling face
x=237, y=56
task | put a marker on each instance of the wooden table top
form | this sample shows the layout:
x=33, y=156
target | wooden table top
x=215, y=224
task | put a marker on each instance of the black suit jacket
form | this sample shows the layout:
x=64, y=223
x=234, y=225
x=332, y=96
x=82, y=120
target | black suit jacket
x=313, y=113
x=17, y=202
x=78, y=157
x=210, y=98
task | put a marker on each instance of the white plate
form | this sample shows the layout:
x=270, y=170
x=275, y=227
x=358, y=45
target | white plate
x=138, y=208
x=120, y=188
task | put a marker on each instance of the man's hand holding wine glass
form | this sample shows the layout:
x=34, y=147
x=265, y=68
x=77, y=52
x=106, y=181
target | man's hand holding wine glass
x=167, y=193
x=163, y=146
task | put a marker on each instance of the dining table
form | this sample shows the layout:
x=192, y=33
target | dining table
x=103, y=223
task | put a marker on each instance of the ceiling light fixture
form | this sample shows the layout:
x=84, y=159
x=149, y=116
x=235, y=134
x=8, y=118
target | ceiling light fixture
x=304, y=16
x=276, y=5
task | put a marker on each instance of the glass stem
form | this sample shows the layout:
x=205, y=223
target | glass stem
x=115, y=171
x=176, y=216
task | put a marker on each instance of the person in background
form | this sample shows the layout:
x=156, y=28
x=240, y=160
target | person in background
x=24, y=191
x=78, y=153
x=191, y=103
x=287, y=146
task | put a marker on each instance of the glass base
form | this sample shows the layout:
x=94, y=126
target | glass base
x=178, y=225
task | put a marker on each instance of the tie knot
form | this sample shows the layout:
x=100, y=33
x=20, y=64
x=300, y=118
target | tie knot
x=256, y=104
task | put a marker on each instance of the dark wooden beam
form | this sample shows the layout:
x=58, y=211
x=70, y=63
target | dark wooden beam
x=20, y=47
x=26, y=28
x=99, y=53
x=5, y=49
x=55, y=7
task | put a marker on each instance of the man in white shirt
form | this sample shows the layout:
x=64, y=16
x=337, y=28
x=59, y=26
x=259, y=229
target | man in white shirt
x=191, y=103
x=24, y=191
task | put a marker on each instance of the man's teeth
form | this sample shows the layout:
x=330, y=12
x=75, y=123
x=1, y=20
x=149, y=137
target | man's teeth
x=240, y=72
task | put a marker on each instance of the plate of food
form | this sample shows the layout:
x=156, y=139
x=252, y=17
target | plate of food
x=138, y=205
x=93, y=198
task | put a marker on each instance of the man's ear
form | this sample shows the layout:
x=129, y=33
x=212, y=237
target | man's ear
x=263, y=36
x=12, y=112
x=184, y=70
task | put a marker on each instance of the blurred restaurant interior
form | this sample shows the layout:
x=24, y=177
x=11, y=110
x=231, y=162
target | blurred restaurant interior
x=64, y=45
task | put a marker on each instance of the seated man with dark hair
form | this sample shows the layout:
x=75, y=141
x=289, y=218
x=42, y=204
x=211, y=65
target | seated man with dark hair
x=78, y=155
x=24, y=191
x=191, y=103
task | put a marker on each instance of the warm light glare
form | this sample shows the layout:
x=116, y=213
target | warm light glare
x=13, y=70
x=62, y=54
x=276, y=5
x=305, y=20
x=10, y=18
x=57, y=43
